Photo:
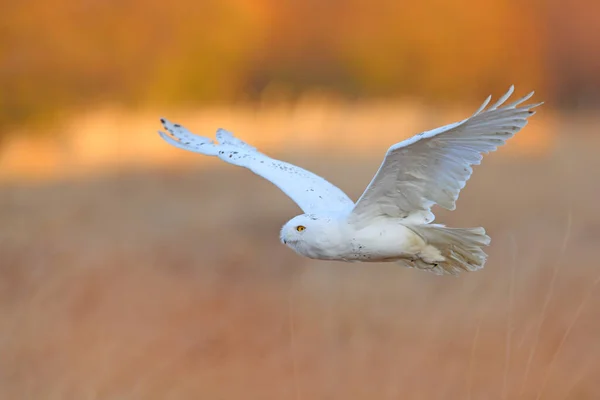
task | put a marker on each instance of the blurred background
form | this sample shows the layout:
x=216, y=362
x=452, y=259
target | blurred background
x=133, y=270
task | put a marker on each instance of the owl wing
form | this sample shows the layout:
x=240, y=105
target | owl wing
x=432, y=167
x=313, y=194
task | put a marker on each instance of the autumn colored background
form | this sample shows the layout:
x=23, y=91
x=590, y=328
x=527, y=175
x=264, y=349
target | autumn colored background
x=133, y=270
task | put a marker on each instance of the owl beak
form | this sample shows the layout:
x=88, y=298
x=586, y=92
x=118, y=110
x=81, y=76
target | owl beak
x=286, y=238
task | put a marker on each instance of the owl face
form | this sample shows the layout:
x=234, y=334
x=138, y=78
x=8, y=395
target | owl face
x=311, y=236
x=298, y=229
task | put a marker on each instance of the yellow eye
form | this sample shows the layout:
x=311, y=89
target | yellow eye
x=300, y=228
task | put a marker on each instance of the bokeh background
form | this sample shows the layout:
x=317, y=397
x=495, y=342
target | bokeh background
x=133, y=270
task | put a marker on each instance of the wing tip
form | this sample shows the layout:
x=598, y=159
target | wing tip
x=165, y=122
x=503, y=98
x=482, y=107
x=534, y=105
x=514, y=104
x=164, y=135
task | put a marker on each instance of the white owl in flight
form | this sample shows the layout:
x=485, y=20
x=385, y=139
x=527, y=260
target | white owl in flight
x=392, y=219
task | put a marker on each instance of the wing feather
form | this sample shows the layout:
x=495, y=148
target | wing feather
x=433, y=166
x=313, y=194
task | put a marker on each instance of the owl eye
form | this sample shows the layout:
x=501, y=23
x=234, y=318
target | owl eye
x=300, y=228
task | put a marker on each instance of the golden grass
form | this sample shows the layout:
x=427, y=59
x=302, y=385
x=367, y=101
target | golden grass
x=171, y=284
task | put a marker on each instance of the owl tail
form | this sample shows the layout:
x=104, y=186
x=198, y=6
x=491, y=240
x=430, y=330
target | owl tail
x=451, y=250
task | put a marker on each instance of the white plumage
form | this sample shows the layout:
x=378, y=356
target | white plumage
x=392, y=219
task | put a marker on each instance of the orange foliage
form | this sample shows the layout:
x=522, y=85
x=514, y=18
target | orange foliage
x=60, y=54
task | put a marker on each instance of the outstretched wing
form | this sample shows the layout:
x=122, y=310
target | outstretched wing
x=313, y=194
x=432, y=167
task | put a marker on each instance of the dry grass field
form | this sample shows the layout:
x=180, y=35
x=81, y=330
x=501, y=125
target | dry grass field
x=170, y=283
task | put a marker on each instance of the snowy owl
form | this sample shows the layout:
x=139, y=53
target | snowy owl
x=392, y=220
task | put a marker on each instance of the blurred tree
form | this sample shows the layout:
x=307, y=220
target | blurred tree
x=58, y=55
x=572, y=52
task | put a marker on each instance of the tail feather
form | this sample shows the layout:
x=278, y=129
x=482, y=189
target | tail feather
x=451, y=250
